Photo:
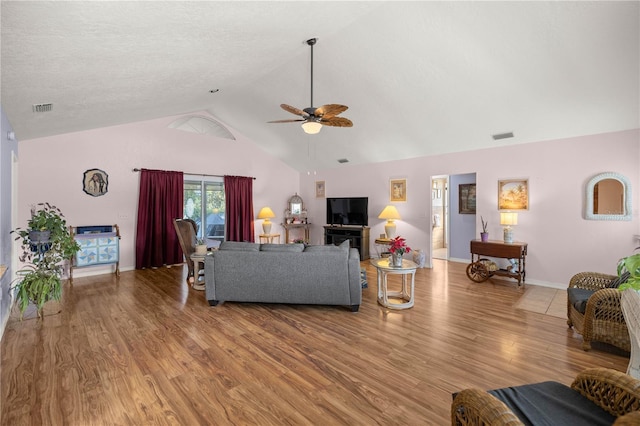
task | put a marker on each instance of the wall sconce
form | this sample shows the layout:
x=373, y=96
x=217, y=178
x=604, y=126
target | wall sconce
x=508, y=219
x=266, y=213
x=390, y=213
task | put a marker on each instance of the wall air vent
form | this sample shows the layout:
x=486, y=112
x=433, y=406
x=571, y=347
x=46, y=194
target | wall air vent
x=343, y=160
x=502, y=136
x=42, y=107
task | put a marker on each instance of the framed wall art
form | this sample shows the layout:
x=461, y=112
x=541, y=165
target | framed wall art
x=398, y=190
x=513, y=194
x=467, y=198
x=320, y=189
x=95, y=182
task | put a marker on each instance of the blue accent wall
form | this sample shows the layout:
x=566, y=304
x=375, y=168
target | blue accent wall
x=462, y=227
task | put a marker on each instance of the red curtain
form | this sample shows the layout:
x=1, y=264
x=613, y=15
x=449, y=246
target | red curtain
x=160, y=201
x=238, y=192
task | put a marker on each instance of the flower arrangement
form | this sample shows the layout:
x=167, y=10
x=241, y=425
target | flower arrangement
x=399, y=246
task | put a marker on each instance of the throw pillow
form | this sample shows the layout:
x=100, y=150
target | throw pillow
x=615, y=283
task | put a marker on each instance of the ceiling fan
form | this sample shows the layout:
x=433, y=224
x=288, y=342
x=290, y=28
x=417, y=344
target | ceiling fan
x=313, y=118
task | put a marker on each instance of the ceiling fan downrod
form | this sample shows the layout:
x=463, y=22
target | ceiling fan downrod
x=311, y=42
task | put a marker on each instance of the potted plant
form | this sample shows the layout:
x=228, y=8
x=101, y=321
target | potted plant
x=484, y=235
x=630, y=265
x=398, y=248
x=39, y=280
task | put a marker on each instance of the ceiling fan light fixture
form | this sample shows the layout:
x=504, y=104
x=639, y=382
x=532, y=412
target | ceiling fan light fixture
x=311, y=127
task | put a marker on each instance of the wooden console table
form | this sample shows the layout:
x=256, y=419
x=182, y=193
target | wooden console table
x=478, y=270
x=290, y=226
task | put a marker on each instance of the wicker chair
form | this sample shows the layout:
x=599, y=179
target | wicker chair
x=602, y=320
x=614, y=392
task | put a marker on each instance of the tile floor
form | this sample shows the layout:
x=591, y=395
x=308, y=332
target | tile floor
x=544, y=300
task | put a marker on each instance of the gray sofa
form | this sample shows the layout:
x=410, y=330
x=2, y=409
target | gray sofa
x=284, y=273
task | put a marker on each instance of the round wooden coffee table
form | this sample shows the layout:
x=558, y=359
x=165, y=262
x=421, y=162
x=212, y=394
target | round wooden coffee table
x=406, y=294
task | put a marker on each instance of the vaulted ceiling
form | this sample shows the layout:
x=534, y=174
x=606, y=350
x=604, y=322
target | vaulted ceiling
x=420, y=78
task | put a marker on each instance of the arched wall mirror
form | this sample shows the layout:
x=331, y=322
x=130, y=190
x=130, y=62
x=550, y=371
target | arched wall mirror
x=608, y=197
x=295, y=212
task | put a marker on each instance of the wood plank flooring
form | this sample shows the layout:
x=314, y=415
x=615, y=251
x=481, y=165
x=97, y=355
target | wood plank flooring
x=145, y=349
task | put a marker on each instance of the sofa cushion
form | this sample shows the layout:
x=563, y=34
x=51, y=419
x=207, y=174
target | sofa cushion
x=292, y=248
x=239, y=246
x=578, y=298
x=344, y=246
x=552, y=403
x=615, y=283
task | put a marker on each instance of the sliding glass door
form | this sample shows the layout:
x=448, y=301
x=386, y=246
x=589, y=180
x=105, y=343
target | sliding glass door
x=205, y=204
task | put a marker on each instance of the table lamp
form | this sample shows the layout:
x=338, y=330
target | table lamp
x=390, y=213
x=266, y=213
x=507, y=219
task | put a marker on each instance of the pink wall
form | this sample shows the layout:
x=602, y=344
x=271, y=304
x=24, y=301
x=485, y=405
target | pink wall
x=560, y=241
x=51, y=170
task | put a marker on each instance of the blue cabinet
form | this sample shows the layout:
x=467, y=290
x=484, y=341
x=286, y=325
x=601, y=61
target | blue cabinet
x=99, y=245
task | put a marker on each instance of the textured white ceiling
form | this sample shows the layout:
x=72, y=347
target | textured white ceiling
x=420, y=78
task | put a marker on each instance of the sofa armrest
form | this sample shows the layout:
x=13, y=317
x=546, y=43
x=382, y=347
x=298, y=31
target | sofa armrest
x=613, y=391
x=591, y=280
x=479, y=408
x=209, y=279
x=355, y=286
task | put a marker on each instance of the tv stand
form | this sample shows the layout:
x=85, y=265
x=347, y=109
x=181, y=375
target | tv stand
x=358, y=237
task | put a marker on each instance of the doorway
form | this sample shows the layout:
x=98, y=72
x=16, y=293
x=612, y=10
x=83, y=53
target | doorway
x=440, y=217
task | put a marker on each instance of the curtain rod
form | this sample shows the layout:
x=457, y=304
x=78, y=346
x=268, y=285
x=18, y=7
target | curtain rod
x=197, y=174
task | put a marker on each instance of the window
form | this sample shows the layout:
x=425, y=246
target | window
x=204, y=203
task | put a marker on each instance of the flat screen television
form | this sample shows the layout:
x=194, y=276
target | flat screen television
x=348, y=211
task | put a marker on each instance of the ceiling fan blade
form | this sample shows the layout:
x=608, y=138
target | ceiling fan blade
x=336, y=122
x=331, y=110
x=294, y=110
x=286, y=121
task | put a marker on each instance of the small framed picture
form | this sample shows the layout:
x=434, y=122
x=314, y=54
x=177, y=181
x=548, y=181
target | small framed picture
x=320, y=189
x=513, y=194
x=95, y=182
x=467, y=198
x=398, y=190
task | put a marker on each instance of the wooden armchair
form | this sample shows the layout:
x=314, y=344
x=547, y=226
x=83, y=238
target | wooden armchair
x=608, y=393
x=602, y=319
x=187, y=230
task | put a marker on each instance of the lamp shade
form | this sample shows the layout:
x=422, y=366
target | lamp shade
x=266, y=213
x=311, y=127
x=508, y=218
x=389, y=212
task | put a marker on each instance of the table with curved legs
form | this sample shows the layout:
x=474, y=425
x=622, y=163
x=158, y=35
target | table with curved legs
x=406, y=294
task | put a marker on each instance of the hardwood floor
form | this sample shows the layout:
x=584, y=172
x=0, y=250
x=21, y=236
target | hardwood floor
x=145, y=349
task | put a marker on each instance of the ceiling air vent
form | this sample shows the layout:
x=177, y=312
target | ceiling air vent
x=343, y=160
x=502, y=136
x=42, y=107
